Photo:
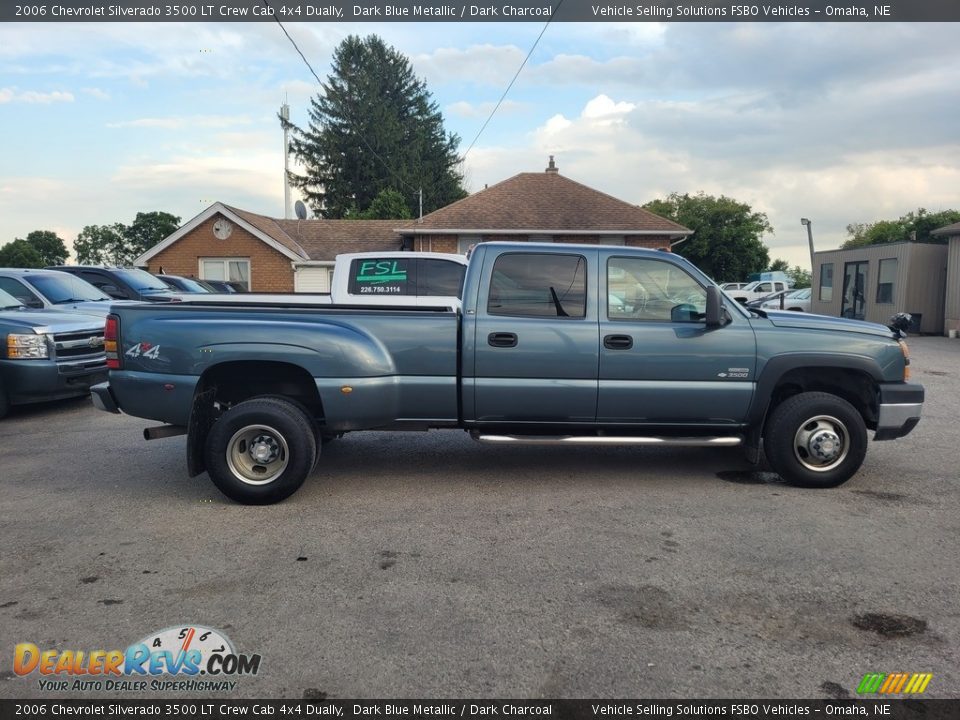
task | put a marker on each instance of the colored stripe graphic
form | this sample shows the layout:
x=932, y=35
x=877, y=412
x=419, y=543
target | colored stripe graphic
x=894, y=683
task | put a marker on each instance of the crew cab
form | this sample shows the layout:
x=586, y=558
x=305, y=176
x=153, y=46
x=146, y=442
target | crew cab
x=47, y=354
x=538, y=353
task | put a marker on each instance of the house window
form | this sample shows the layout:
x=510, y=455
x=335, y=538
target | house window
x=826, y=282
x=234, y=270
x=886, y=280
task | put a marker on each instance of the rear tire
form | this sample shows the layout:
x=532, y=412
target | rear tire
x=815, y=439
x=261, y=451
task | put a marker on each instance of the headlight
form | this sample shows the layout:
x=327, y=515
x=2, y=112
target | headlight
x=906, y=360
x=27, y=347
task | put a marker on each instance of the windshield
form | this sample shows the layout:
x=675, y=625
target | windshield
x=63, y=288
x=8, y=301
x=142, y=281
x=192, y=286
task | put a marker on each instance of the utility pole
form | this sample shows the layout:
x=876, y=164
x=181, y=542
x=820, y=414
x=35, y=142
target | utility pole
x=285, y=119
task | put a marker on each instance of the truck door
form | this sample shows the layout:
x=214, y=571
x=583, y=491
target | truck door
x=659, y=362
x=536, y=338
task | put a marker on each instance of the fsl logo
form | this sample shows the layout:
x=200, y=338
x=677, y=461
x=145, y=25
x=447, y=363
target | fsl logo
x=894, y=683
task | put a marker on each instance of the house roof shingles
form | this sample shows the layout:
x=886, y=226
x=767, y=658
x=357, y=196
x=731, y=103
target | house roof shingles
x=546, y=201
x=531, y=203
x=323, y=240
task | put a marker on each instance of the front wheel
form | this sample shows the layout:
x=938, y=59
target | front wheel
x=815, y=439
x=261, y=451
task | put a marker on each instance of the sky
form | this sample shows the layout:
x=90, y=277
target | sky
x=836, y=122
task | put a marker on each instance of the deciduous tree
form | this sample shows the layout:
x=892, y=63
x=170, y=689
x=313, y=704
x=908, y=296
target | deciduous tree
x=20, y=254
x=914, y=226
x=102, y=245
x=50, y=246
x=727, y=240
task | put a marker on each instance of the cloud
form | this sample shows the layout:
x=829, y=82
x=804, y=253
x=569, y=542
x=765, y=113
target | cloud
x=13, y=95
x=487, y=64
x=746, y=148
x=178, y=123
x=482, y=110
x=96, y=93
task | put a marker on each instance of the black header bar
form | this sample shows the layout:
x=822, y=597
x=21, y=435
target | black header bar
x=215, y=708
x=477, y=11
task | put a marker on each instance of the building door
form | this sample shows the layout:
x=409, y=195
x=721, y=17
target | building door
x=854, y=290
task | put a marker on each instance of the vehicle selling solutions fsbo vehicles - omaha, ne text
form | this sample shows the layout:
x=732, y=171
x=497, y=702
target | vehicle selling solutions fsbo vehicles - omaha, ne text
x=538, y=354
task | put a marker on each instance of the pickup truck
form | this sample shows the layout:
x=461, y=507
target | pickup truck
x=47, y=354
x=538, y=353
x=374, y=278
x=758, y=289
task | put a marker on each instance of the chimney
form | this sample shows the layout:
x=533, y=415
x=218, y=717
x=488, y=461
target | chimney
x=552, y=167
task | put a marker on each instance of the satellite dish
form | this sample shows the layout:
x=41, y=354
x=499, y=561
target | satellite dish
x=300, y=209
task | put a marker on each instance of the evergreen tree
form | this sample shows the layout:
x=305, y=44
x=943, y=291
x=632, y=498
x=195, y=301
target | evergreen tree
x=374, y=127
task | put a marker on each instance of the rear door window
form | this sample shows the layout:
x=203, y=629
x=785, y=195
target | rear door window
x=539, y=285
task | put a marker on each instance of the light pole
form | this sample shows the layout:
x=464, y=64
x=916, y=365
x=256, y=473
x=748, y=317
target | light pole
x=809, y=225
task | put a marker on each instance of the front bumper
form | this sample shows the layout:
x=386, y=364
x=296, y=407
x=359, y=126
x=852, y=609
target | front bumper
x=30, y=381
x=899, y=411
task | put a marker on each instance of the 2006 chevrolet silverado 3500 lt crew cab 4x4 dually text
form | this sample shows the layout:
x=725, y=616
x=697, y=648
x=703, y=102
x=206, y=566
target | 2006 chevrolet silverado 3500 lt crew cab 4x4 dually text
x=539, y=353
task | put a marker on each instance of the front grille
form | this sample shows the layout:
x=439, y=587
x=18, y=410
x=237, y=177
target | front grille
x=79, y=351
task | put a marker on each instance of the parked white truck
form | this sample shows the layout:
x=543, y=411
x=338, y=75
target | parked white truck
x=757, y=290
x=375, y=278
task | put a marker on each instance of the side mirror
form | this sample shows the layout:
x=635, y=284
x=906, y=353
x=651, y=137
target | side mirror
x=714, y=314
x=113, y=291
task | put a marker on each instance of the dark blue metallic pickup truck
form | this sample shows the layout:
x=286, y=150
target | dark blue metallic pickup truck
x=554, y=344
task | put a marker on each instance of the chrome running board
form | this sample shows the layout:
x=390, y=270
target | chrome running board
x=719, y=441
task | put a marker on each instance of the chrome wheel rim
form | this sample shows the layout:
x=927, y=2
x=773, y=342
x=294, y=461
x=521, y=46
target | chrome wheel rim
x=821, y=443
x=257, y=454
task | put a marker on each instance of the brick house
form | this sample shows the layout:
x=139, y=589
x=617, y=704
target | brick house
x=275, y=255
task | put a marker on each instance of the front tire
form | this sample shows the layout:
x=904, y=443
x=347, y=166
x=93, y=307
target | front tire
x=815, y=439
x=261, y=451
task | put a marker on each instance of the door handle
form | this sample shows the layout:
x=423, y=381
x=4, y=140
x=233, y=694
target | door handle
x=618, y=342
x=502, y=339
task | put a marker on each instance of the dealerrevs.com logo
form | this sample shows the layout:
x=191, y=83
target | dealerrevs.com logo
x=190, y=657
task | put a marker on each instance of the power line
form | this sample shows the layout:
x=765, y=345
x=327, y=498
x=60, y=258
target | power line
x=516, y=75
x=352, y=124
